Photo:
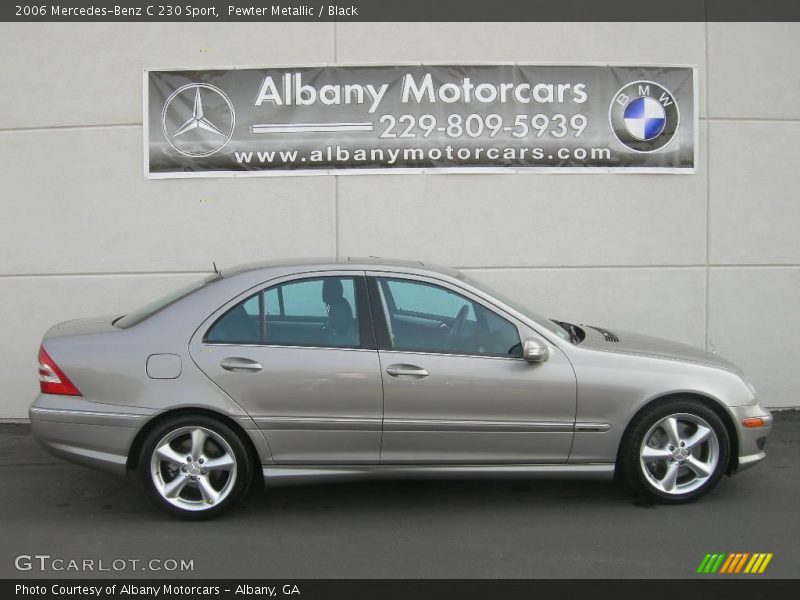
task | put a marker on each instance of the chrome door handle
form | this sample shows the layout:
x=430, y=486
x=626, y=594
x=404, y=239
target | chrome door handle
x=406, y=371
x=236, y=364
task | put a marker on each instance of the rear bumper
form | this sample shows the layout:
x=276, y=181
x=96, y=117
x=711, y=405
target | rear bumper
x=92, y=434
x=751, y=440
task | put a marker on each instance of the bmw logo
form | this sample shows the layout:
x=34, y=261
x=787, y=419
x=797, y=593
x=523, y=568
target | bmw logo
x=644, y=116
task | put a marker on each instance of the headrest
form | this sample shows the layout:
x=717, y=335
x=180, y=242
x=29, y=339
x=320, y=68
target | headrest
x=332, y=290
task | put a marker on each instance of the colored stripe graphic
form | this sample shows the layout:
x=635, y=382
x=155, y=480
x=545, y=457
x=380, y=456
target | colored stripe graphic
x=728, y=563
x=710, y=563
x=741, y=562
x=759, y=563
x=751, y=563
x=737, y=558
x=735, y=562
x=703, y=563
x=765, y=563
x=718, y=563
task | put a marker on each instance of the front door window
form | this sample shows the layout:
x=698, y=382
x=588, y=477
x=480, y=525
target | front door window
x=424, y=317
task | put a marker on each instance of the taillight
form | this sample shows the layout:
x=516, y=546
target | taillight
x=52, y=379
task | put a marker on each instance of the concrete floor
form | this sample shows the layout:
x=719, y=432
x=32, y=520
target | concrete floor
x=402, y=529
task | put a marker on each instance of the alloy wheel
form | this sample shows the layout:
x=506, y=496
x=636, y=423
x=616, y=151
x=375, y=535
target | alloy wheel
x=679, y=453
x=193, y=468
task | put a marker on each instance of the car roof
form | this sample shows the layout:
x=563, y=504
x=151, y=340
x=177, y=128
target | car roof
x=329, y=263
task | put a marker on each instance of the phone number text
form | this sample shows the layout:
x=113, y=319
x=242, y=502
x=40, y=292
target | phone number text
x=475, y=125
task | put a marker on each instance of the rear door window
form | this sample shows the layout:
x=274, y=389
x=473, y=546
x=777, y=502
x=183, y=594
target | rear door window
x=317, y=312
x=239, y=325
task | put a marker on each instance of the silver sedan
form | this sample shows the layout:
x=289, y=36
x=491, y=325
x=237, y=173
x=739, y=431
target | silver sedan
x=320, y=370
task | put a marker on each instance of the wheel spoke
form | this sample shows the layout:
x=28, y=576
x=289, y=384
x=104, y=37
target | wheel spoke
x=699, y=436
x=700, y=468
x=671, y=429
x=166, y=453
x=199, y=438
x=174, y=487
x=655, y=454
x=223, y=463
x=210, y=495
x=671, y=477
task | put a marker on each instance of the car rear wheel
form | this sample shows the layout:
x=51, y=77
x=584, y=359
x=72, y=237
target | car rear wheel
x=675, y=451
x=195, y=467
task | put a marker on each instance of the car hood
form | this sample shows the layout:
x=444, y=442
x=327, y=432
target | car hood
x=625, y=342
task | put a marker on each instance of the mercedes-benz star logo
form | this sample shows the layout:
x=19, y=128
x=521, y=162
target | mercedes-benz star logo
x=209, y=125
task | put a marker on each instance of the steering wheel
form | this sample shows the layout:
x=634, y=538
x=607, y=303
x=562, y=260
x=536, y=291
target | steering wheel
x=458, y=325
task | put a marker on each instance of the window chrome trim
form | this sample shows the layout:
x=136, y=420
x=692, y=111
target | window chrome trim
x=453, y=355
x=358, y=349
x=348, y=348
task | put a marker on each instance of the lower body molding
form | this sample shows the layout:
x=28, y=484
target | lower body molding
x=276, y=475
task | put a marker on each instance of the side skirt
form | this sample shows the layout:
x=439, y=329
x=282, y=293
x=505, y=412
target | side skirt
x=303, y=474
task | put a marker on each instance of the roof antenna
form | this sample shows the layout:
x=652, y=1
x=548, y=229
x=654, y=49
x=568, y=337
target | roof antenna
x=216, y=270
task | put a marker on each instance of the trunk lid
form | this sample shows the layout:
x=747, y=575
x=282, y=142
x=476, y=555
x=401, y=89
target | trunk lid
x=82, y=327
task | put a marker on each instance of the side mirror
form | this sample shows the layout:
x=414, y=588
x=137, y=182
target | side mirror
x=535, y=351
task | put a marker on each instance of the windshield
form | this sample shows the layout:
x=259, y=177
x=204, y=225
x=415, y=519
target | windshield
x=153, y=307
x=521, y=308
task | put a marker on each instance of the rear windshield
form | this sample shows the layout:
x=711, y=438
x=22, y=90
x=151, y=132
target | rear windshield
x=153, y=307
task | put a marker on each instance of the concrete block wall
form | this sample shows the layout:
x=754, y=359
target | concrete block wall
x=711, y=259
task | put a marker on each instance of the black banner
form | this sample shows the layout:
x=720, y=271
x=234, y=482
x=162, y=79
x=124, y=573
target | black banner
x=407, y=10
x=394, y=589
x=417, y=118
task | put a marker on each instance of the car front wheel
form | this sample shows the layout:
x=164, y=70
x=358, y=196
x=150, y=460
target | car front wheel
x=675, y=451
x=195, y=467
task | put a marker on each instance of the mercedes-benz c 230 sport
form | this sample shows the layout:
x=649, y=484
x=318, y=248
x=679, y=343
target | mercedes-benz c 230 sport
x=318, y=370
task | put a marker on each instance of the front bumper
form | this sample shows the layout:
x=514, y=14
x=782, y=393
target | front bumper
x=92, y=434
x=751, y=439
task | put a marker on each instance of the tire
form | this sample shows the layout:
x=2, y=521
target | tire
x=675, y=451
x=195, y=467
